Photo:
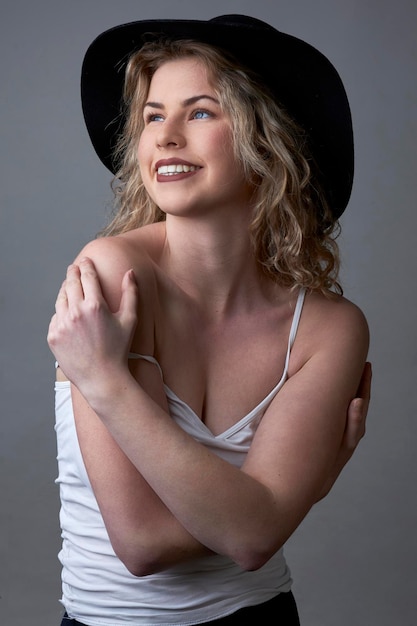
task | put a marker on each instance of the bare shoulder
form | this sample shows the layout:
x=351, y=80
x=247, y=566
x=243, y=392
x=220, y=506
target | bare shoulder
x=135, y=246
x=337, y=311
x=114, y=256
x=335, y=326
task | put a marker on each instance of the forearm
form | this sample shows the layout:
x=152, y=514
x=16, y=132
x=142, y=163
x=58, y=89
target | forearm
x=156, y=542
x=219, y=505
x=144, y=534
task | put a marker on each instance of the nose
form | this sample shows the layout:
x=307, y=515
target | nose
x=170, y=135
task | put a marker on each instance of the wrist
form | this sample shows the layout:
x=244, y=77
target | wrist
x=105, y=388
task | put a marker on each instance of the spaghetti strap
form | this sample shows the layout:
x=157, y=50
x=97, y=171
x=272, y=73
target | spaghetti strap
x=144, y=357
x=297, y=315
x=291, y=338
x=294, y=328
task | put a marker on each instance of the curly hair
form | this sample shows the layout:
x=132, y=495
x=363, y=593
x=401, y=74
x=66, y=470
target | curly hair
x=292, y=228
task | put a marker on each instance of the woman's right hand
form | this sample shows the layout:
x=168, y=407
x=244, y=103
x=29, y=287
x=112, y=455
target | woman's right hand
x=88, y=340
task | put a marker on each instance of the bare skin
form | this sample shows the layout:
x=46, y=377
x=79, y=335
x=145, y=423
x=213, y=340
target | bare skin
x=131, y=525
x=164, y=497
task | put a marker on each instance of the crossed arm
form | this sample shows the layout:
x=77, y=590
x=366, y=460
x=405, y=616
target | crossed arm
x=153, y=521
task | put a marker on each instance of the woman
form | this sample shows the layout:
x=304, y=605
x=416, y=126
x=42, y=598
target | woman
x=212, y=357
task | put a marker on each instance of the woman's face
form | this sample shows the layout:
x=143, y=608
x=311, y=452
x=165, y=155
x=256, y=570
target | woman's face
x=186, y=151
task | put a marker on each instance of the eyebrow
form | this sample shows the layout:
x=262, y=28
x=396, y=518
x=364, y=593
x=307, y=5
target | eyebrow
x=185, y=103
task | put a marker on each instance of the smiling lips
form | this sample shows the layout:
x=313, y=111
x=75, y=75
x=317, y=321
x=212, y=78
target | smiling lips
x=168, y=170
x=177, y=170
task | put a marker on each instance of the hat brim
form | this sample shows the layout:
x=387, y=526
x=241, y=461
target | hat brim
x=300, y=77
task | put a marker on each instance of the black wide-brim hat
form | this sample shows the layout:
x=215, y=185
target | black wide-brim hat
x=300, y=77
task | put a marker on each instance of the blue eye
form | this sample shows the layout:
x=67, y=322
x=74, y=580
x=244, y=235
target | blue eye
x=201, y=114
x=154, y=117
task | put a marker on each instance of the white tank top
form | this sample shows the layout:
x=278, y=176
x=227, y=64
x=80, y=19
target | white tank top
x=98, y=590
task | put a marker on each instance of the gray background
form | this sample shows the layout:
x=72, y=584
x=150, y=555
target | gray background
x=354, y=558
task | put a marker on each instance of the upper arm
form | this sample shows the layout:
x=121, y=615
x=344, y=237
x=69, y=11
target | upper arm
x=298, y=439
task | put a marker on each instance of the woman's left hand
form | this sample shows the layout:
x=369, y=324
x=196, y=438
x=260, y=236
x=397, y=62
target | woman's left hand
x=88, y=340
x=355, y=428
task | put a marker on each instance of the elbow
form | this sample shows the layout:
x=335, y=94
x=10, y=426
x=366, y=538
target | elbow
x=253, y=557
x=253, y=562
x=140, y=559
x=139, y=563
x=139, y=568
x=253, y=551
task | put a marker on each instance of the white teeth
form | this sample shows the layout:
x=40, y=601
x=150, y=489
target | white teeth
x=169, y=170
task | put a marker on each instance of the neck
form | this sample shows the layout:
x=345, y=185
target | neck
x=214, y=265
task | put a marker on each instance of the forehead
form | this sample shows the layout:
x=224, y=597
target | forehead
x=179, y=75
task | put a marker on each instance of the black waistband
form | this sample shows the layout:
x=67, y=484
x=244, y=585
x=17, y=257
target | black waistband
x=68, y=621
x=282, y=610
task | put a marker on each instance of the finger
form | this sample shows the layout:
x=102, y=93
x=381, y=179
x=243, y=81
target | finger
x=51, y=334
x=356, y=423
x=72, y=284
x=61, y=302
x=129, y=299
x=89, y=280
x=364, y=389
x=358, y=409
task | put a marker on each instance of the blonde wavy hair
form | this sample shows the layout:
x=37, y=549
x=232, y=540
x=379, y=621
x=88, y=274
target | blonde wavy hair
x=292, y=230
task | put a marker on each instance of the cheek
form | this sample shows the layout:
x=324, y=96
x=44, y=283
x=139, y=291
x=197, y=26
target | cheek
x=145, y=143
x=143, y=156
x=226, y=154
x=141, y=149
x=222, y=142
